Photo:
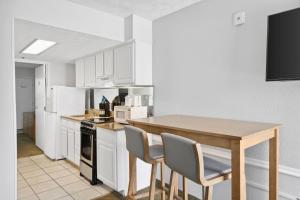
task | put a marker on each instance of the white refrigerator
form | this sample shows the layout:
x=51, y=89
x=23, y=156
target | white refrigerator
x=61, y=101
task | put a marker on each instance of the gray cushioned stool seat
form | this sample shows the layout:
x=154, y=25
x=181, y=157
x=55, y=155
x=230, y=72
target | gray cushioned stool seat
x=214, y=168
x=156, y=151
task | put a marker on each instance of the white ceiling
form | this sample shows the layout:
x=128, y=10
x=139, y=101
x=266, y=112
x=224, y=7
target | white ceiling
x=149, y=9
x=70, y=45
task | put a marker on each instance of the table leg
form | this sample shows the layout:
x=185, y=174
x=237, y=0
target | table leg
x=132, y=176
x=273, y=166
x=238, y=188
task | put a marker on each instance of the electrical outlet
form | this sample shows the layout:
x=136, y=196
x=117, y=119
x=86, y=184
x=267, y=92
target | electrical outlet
x=239, y=18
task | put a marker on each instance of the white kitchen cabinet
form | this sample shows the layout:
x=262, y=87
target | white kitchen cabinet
x=80, y=73
x=100, y=66
x=64, y=141
x=71, y=140
x=113, y=162
x=109, y=63
x=90, y=71
x=124, y=64
x=71, y=145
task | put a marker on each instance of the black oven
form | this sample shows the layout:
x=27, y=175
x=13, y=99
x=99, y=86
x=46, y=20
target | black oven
x=88, y=157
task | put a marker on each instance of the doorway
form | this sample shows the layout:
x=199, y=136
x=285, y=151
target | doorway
x=29, y=83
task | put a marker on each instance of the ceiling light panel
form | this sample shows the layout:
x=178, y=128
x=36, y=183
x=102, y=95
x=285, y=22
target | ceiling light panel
x=38, y=46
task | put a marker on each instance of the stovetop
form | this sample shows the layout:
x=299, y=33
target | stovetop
x=91, y=123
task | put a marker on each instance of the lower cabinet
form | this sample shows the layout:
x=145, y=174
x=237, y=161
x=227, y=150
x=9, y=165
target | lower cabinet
x=70, y=140
x=113, y=162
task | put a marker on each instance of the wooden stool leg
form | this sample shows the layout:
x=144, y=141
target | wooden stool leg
x=208, y=192
x=132, y=176
x=162, y=179
x=185, y=189
x=176, y=186
x=153, y=181
x=172, y=186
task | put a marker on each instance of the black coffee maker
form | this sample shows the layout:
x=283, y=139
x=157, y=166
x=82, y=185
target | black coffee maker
x=104, y=107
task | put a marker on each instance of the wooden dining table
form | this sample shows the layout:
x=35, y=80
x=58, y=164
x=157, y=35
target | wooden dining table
x=234, y=135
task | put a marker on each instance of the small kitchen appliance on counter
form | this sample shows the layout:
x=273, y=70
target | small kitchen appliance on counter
x=124, y=113
x=104, y=107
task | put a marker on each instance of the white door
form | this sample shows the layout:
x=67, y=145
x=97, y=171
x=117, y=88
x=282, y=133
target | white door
x=124, y=64
x=24, y=98
x=40, y=96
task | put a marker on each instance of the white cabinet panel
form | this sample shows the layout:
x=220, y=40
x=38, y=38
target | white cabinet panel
x=90, y=71
x=99, y=66
x=64, y=141
x=71, y=142
x=124, y=64
x=80, y=73
x=107, y=165
x=109, y=63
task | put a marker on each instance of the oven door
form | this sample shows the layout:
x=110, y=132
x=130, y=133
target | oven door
x=87, y=145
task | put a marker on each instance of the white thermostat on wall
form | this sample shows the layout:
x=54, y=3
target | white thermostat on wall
x=239, y=18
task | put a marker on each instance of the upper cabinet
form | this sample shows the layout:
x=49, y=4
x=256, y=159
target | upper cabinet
x=80, y=73
x=90, y=71
x=129, y=63
x=124, y=64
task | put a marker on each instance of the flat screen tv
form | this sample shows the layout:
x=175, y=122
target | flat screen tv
x=283, y=46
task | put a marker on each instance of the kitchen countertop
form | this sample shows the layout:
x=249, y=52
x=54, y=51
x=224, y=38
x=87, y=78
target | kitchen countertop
x=114, y=126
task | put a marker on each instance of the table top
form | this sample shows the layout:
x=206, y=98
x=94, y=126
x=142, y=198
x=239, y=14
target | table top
x=225, y=128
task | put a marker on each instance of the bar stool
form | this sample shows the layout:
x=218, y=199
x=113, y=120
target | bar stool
x=138, y=146
x=184, y=156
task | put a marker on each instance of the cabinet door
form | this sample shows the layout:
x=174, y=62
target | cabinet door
x=77, y=147
x=64, y=141
x=99, y=66
x=124, y=64
x=106, y=164
x=109, y=63
x=80, y=73
x=71, y=142
x=90, y=71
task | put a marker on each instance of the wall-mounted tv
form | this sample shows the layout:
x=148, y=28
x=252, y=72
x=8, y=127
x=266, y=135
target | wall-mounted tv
x=283, y=47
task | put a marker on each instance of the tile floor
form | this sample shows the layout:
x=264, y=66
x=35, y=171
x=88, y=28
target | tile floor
x=44, y=179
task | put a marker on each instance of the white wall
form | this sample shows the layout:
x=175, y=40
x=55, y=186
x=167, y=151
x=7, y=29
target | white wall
x=203, y=65
x=24, y=93
x=7, y=106
x=61, y=74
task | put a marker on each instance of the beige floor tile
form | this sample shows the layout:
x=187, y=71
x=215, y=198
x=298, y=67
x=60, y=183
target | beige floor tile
x=25, y=192
x=38, y=179
x=45, y=186
x=76, y=187
x=67, y=180
x=54, y=169
x=25, y=164
x=28, y=168
x=86, y=194
x=65, y=198
x=52, y=194
x=34, y=173
x=19, y=176
x=102, y=189
x=44, y=165
x=59, y=174
x=38, y=157
x=67, y=165
x=43, y=161
x=26, y=159
x=32, y=197
x=74, y=171
x=21, y=184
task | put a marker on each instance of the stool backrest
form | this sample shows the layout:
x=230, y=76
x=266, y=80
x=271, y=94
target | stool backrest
x=184, y=156
x=137, y=142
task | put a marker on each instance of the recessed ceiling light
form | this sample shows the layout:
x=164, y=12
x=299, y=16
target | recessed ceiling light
x=38, y=46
